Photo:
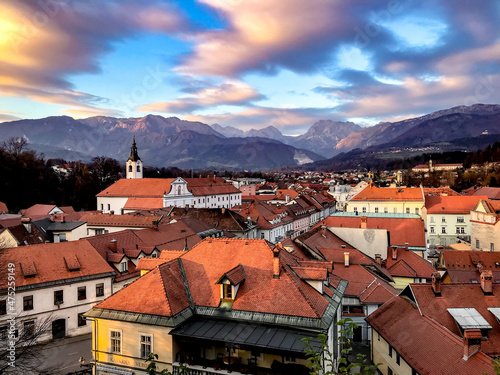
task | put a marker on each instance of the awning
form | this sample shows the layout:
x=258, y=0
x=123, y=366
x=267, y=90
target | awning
x=246, y=334
x=114, y=370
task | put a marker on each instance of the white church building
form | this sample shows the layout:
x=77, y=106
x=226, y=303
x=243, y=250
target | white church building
x=137, y=193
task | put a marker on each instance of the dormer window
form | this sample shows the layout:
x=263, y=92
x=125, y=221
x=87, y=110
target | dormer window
x=227, y=291
x=123, y=267
x=229, y=284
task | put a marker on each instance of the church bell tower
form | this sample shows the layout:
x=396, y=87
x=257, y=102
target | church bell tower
x=134, y=163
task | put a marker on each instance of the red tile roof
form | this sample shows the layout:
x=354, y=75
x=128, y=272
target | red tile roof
x=162, y=292
x=263, y=213
x=468, y=260
x=210, y=186
x=3, y=207
x=412, y=263
x=311, y=273
x=282, y=193
x=458, y=296
x=138, y=187
x=318, y=238
x=377, y=292
x=490, y=192
x=127, y=220
x=236, y=275
x=49, y=262
x=38, y=210
x=444, y=191
x=425, y=345
x=135, y=203
x=401, y=230
x=374, y=193
x=452, y=204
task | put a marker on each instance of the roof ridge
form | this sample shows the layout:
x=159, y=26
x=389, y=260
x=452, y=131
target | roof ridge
x=369, y=285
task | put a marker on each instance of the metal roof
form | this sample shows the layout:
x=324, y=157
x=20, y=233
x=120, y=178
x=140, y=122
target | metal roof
x=469, y=318
x=246, y=334
x=495, y=311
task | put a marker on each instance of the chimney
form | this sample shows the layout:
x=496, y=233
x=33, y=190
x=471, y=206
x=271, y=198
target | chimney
x=487, y=282
x=276, y=263
x=223, y=210
x=436, y=283
x=363, y=222
x=111, y=212
x=26, y=221
x=113, y=245
x=346, y=259
x=472, y=342
x=406, y=246
x=378, y=258
x=214, y=177
x=394, y=252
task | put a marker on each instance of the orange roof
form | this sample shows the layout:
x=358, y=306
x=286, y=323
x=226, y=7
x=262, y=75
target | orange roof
x=373, y=193
x=401, y=230
x=430, y=348
x=129, y=220
x=52, y=262
x=138, y=187
x=443, y=190
x=490, y=192
x=284, y=192
x=469, y=260
x=3, y=207
x=162, y=291
x=408, y=264
x=135, y=203
x=451, y=204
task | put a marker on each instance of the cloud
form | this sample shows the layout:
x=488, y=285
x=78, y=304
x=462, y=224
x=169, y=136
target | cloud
x=230, y=93
x=43, y=43
x=8, y=116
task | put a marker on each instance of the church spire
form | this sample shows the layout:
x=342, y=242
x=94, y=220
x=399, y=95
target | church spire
x=134, y=156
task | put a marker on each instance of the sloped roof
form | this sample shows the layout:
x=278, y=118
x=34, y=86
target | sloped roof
x=138, y=187
x=319, y=237
x=401, y=230
x=377, y=292
x=468, y=260
x=373, y=193
x=236, y=275
x=452, y=204
x=127, y=220
x=38, y=210
x=490, y=192
x=216, y=217
x=136, y=203
x=311, y=273
x=460, y=296
x=443, y=190
x=429, y=347
x=50, y=262
x=412, y=262
x=3, y=207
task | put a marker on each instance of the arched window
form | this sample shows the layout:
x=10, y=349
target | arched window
x=130, y=168
x=138, y=168
x=178, y=190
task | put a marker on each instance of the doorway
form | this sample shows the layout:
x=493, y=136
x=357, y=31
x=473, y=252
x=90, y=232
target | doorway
x=58, y=329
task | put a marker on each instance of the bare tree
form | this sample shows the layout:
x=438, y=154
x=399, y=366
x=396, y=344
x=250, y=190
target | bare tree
x=15, y=146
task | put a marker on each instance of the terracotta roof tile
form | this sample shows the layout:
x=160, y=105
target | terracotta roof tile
x=135, y=203
x=48, y=262
x=377, y=292
x=412, y=261
x=490, y=192
x=235, y=276
x=428, y=347
x=127, y=220
x=311, y=273
x=452, y=204
x=401, y=230
x=402, y=269
x=138, y=187
x=3, y=207
x=374, y=193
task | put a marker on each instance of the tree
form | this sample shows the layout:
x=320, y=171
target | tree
x=322, y=361
x=151, y=369
x=15, y=146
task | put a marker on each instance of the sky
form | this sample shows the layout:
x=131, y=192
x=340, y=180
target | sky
x=247, y=63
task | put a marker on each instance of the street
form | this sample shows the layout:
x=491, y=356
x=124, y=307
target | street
x=64, y=354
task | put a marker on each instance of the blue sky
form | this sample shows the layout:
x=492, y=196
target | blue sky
x=247, y=63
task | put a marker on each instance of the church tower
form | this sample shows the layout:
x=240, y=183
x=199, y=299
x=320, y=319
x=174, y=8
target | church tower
x=134, y=163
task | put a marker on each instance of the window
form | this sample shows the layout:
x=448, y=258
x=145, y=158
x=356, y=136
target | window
x=460, y=219
x=130, y=168
x=432, y=219
x=378, y=336
x=123, y=267
x=398, y=359
x=389, y=371
x=102, y=206
x=3, y=307
x=416, y=211
x=492, y=246
x=386, y=210
x=477, y=244
x=115, y=340
x=29, y=328
x=58, y=297
x=138, y=168
x=443, y=219
x=376, y=210
x=432, y=230
x=390, y=351
x=62, y=237
x=81, y=320
x=262, y=235
x=458, y=230
x=82, y=293
x=109, y=207
x=407, y=210
x=146, y=345
x=227, y=291
x=355, y=209
x=364, y=209
x=443, y=230
x=99, y=290
x=28, y=303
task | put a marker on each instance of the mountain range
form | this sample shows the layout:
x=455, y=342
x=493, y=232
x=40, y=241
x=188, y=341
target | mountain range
x=164, y=142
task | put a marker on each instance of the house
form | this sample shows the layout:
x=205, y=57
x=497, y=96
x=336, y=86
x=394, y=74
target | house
x=387, y=200
x=235, y=304
x=123, y=250
x=493, y=193
x=466, y=266
x=39, y=211
x=406, y=267
x=20, y=232
x=425, y=331
x=128, y=195
x=447, y=218
x=273, y=221
x=54, y=284
x=98, y=223
x=485, y=230
x=431, y=167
